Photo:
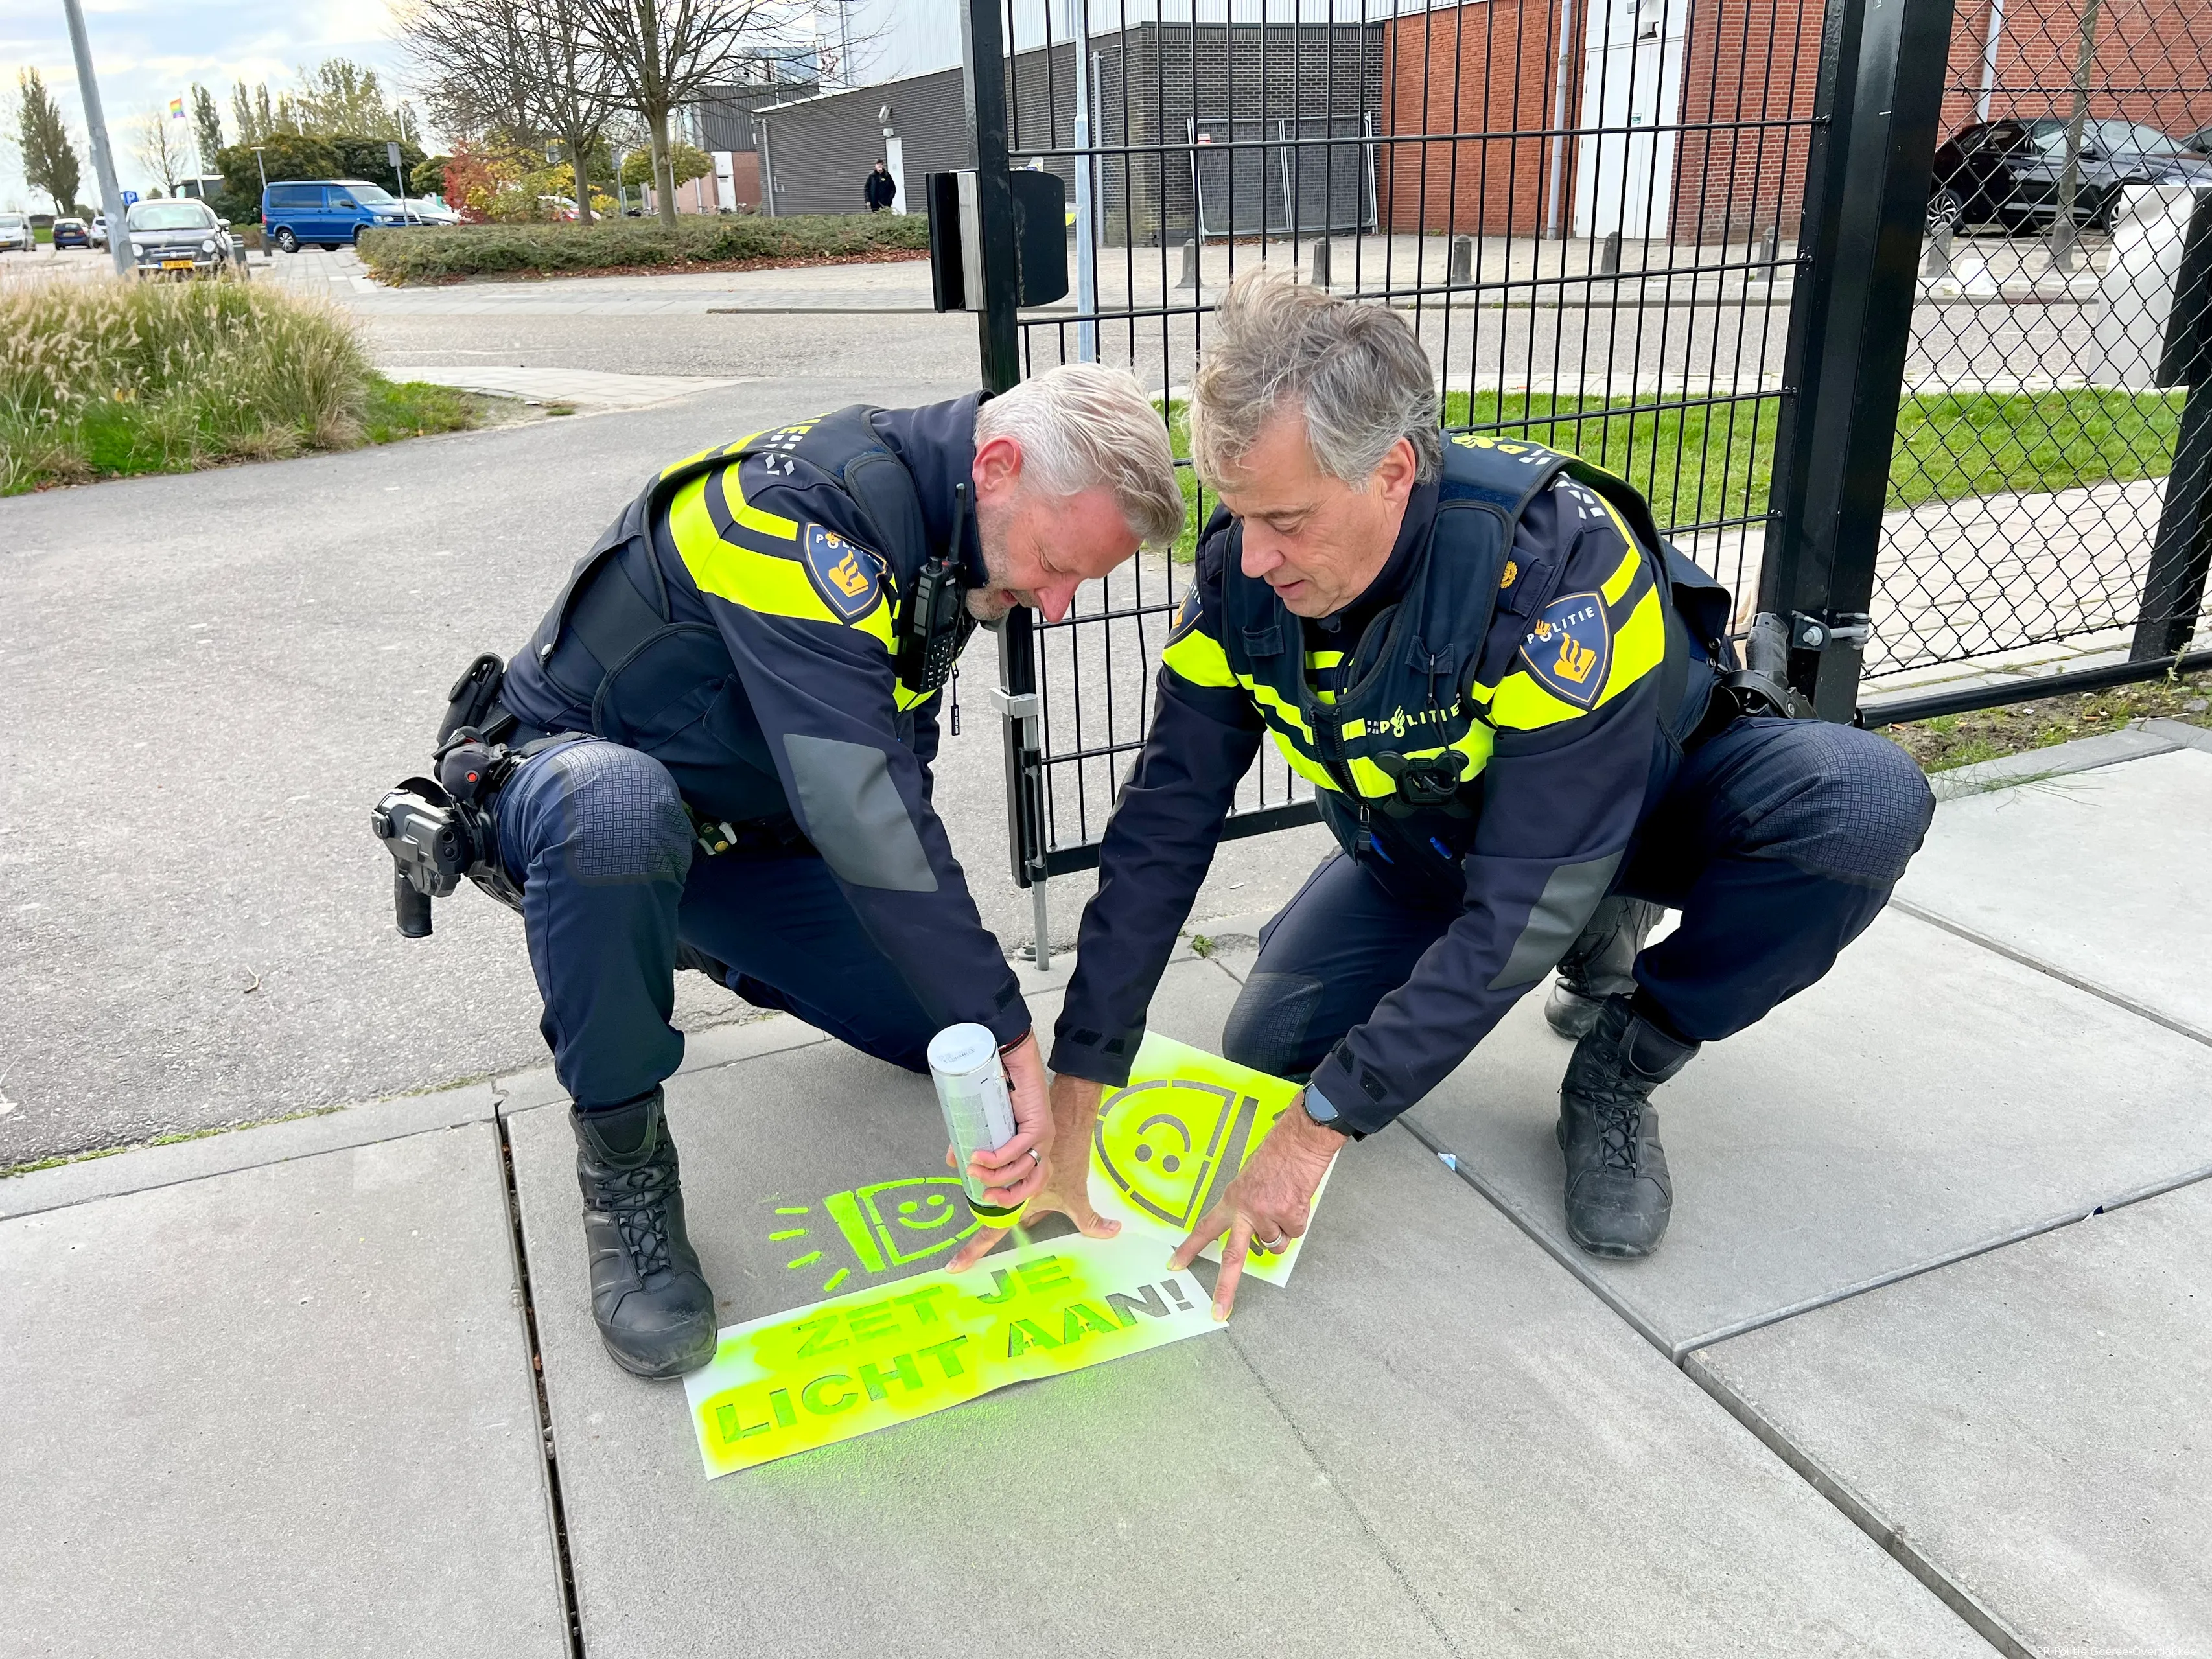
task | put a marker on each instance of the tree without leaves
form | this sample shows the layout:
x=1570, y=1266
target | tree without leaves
x=50, y=163
x=666, y=53
x=522, y=70
x=160, y=147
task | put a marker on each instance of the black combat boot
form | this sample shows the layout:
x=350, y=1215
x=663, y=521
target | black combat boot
x=655, y=1310
x=1618, y=1194
x=1600, y=963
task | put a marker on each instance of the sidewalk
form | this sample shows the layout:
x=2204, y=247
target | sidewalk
x=1918, y=1371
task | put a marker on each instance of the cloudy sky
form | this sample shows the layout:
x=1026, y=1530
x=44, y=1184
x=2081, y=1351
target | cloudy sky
x=147, y=51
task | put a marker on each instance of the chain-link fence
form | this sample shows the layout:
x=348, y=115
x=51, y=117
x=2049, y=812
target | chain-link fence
x=2035, y=513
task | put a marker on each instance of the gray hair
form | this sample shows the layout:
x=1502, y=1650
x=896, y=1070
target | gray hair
x=1357, y=372
x=1083, y=426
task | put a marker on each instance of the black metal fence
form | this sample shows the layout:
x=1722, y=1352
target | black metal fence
x=1684, y=238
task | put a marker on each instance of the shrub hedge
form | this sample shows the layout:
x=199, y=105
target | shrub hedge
x=432, y=255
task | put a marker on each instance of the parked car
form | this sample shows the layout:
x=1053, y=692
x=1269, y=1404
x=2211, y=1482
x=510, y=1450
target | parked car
x=98, y=230
x=432, y=210
x=2199, y=142
x=329, y=212
x=15, y=233
x=179, y=238
x=71, y=233
x=2007, y=172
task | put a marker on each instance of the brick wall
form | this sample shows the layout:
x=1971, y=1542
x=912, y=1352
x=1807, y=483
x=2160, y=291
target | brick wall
x=1750, y=71
x=1470, y=71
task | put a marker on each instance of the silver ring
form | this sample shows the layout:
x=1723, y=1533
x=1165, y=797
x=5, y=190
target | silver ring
x=1271, y=1244
x=1033, y=1158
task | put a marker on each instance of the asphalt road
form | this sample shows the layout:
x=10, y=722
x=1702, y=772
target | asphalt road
x=209, y=678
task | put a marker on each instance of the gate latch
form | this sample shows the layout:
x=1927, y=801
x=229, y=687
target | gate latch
x=1836, y=628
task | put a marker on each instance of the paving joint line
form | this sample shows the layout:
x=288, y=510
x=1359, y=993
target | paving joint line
x=557, y=1511
x=1861, y=1514
x=1854, y=1509
x=1390, y=1557
x=1974, y=936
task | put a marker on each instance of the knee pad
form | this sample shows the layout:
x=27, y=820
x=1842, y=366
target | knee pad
x=1858, y=812
x=626, y=818
x=1268, y=1028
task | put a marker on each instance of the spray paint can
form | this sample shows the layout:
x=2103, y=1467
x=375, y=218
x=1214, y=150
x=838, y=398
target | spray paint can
x=979, y=1114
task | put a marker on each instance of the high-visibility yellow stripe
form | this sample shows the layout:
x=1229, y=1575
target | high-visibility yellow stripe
x=1198, y=658
x=1307, y=768
x=1270, y=701
x=904, y=698
x=1638, y=646
x=1617, y=584
x=760, y=582
x=1324, y=659
x=753, y=518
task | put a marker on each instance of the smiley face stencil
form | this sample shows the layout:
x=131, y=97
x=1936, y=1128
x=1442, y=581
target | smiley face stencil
x=1168, y=1145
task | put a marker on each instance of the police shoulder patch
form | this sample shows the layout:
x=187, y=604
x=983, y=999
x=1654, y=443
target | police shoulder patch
x=847, y=576
x=1569, y=649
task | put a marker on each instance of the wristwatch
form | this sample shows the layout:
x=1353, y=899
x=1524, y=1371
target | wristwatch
x=1319, y=1110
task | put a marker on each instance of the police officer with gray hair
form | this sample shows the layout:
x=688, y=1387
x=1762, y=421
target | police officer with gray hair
x=715, y=753
x=1527, y=730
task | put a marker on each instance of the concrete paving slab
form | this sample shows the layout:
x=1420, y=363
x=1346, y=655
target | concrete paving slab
x=1541, y=1479
x=1392, y=1465
x=2032, y=1423
x=909, y=1541
x=282, y=1411
x=2115, y=859
x=143, y=1167
x=1928, y=1097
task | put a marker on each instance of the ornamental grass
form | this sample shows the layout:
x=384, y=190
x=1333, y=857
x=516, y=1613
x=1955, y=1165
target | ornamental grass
x=107, y=377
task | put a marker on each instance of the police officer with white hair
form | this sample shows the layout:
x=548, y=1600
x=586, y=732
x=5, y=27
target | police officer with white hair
x=719, y=745
x=1528, y=731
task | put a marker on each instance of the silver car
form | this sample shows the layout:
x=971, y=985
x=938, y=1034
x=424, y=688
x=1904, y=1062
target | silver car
x=15, y=233
x=179, y=238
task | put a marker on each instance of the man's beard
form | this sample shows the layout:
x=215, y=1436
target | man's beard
x=988, y=603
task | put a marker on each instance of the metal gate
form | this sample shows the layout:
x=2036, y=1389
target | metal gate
x=1682, y=238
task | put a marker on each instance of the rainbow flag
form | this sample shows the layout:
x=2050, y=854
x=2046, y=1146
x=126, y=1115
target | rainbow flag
x=176, y=109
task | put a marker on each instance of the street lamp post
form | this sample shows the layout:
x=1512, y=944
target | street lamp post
x=267, y=253
x=103, y=161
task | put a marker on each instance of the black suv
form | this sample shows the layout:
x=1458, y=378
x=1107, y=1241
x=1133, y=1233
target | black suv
x=2007, y=172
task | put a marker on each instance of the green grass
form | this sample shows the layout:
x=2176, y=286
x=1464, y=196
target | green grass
x=393, y=409
x=1710, y=463
x=43, y=235
x=113, y=378
x=438, y=255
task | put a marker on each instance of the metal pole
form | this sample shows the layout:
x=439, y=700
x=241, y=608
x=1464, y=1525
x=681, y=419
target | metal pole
x=983, y=84
x=1851, y=319
x=103, y=160
x=2064, y=233
x=1554, y=227
x=1086, y=239
x=2173, y=587
x=1990, y=60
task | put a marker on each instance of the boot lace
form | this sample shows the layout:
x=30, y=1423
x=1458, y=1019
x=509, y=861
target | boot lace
x=1619, y=1123
x=637, y=1198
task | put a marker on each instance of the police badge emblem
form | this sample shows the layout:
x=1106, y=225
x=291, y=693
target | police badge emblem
x=1569, y=651
x=846, y=575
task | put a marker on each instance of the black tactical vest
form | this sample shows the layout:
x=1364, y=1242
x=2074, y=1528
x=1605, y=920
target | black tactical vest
x=1408, y=738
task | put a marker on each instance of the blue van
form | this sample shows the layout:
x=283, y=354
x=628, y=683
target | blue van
x=329, y=212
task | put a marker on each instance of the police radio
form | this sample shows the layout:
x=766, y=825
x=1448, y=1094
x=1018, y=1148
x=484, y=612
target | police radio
x=935, y=623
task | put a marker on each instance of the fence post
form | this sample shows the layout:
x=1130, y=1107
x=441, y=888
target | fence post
x=1882, y=66
x=983, y=86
